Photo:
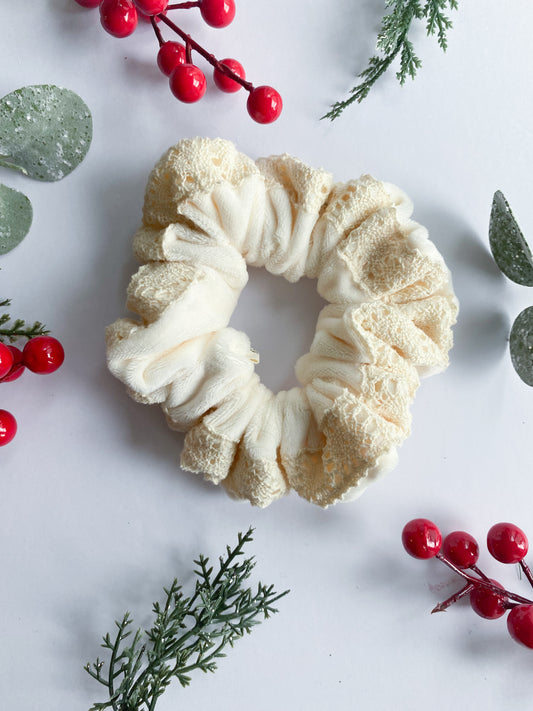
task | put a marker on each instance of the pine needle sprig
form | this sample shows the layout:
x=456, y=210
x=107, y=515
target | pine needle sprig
x=393, y=41
x=9, y=332
x=188, y=632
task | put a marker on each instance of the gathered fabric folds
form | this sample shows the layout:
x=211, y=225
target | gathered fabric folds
x=210, y=211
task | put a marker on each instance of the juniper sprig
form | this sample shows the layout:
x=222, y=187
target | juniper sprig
x=393, y=41
x=188, y=633
x=18, y=328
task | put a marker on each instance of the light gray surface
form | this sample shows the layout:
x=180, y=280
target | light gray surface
x=95, y=516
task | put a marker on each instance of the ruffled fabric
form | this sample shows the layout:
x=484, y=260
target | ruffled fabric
x=209, y=211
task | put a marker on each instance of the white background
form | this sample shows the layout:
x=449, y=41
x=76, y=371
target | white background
x=95, y=514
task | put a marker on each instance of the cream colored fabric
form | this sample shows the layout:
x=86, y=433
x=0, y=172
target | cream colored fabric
x=209, y=211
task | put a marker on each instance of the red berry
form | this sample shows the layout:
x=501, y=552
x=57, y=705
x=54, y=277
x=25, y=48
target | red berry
x=507, y=543
x=187, y=83
x=169, y=56
x=520, y=624
x=17, y=368
x=461, y=549
x=89, y=3
x=226, y=83
x=43, y=354
x=8, y=427
x=148, y=18
x=488, y=603
x=151, y=7
x=6, y=360
x=118, y=17
x=218, y=13
x=264, y=104
x=421, y=538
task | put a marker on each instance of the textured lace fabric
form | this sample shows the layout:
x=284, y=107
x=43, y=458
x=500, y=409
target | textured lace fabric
x=209, y=211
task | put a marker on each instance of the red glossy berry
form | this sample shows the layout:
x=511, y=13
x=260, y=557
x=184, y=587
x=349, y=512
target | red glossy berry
x=151, y=7
x=264, y=104
x=118, y=17
x=421, y=538
x=520, y=624
x=169, y=56
x=488, y=603
x=218, y=13
x=8, y=427
x=187, y=83
x=89, y=3
x=6, y=360
x=148, y=18
x=43, y=354
x=226, y=83
x=461, y=549
x=17, y=368
x=507, y=543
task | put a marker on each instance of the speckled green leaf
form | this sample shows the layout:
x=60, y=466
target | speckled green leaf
x=521, y=345
x=509, y=248
x=45, y=131
x=15, y=218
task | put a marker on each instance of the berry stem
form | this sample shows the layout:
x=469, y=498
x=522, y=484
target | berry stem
x=213, y=61
x=188, y=52
x=527, y=571
x=442, y=606
x=157, y=31
x=482, y=582
x=479, y=572
x=183, y=5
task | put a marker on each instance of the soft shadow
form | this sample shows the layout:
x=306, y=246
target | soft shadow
x=145, y=70
x=69, y=7
x=347, y=41
x=135, y=586
x=117, y=201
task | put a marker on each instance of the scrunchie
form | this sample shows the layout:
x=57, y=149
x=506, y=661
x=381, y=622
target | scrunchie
x=208, y=212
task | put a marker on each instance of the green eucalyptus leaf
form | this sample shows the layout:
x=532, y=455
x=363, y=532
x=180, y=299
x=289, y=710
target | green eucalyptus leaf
x=521, y=345
x=15, y=218
x=509, y=247
x=45, y=131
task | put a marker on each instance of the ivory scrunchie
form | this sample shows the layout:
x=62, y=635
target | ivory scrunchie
x=208, y=212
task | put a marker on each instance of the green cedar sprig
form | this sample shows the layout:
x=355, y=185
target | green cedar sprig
x=188, y=633
x=393, y=41
x=9, y=332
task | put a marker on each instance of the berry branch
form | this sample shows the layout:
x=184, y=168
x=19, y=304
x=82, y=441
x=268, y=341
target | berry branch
x=187, y=81
x=480, y=583
x=41, y=354
x=190, y=43
x=459, y=551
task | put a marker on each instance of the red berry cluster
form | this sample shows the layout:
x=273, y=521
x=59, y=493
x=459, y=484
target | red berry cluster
x=42, y=354
x=460, y=551
x=187, y=81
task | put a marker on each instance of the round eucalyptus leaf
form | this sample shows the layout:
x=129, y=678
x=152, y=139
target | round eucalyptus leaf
x=521, y=345
x=508, y=245
x=45, y=131
x=15, y=218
